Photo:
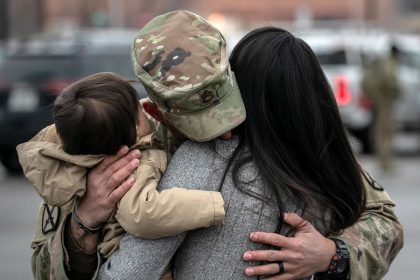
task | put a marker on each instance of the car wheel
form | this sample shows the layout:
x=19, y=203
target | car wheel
x=11, y=162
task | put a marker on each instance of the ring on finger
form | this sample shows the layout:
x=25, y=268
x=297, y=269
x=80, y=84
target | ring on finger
x=281, y=266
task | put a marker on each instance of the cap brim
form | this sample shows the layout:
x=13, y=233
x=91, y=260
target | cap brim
x=211, y=123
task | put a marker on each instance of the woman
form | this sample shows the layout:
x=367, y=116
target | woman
x=290, y=155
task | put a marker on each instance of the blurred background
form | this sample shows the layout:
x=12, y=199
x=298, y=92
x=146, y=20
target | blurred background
x=47, y=44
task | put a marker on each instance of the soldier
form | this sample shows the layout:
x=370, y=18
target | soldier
x=106, y=183
x=380, y=85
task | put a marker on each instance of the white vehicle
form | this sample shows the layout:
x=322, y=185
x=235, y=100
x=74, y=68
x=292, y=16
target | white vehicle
x=342, y=55
x=407, y=110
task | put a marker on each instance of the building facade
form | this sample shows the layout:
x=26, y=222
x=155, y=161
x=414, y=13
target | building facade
x=25, y=17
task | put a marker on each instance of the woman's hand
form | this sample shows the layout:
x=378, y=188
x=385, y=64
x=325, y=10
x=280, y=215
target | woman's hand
x=307, y=253
x=106, y=185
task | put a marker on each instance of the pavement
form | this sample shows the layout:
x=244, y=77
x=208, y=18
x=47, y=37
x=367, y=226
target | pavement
x=19, y=203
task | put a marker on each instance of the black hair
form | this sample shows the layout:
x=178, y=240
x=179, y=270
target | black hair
x=293, y=129
x=394, y=50
x=97, y=115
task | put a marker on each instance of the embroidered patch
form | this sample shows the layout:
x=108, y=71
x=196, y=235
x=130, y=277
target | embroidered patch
x=372, y=181
x=207, y=97
x=50, y=218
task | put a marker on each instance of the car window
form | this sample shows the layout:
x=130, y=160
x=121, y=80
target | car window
x=37, y=68
x=411, y=59
x=119, y=63
x=336, y=57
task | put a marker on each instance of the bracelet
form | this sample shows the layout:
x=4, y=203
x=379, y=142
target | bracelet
x=339, y=265
x=79, y=223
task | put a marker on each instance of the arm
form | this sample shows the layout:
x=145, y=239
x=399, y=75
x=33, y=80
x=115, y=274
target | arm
x=373, y=242
x=144, y=258
x=376, y=238
x=147, y=213
x=44, y=267
x=53, y=258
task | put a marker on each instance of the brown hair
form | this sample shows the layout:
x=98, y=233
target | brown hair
x=97, y=115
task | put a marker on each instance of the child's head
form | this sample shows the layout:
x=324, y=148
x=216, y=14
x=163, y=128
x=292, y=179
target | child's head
x=97, y=115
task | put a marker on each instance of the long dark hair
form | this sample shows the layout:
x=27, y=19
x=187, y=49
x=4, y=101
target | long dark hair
x=293, y=128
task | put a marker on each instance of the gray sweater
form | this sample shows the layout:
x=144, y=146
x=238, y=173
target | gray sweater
x=209, y=253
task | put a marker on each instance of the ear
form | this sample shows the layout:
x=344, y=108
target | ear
x=227, y=135
x=153, y=110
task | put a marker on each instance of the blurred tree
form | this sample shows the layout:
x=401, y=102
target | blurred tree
x=3, y=20
x=24, y=17
x=99, y=19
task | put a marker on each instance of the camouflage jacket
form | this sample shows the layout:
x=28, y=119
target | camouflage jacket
x=376, y=238
x=373, y=241
x=380, y=83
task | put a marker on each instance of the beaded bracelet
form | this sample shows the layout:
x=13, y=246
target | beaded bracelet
x=79, y=223
x=339, y=265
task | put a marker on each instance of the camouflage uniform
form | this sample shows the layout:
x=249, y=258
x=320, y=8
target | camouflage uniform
x=377, y=236
x=380, y=85
x=196, y=93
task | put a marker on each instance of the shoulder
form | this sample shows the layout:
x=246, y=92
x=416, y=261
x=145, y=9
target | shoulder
x=190, y=166
x=191, y=146
x=223, y=148
x=154, y=158
x=191, y=153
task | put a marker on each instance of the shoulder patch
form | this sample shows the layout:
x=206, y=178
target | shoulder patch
x=372, y=181
x=50, y=218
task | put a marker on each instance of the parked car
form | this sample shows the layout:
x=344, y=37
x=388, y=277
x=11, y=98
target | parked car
x=342, y=55
x=35, y=70
x=1, y=52
x=407, y=110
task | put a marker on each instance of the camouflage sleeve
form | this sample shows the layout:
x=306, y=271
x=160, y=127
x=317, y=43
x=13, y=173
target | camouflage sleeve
x=50, y=259
x=389, y=84
x=376, y=238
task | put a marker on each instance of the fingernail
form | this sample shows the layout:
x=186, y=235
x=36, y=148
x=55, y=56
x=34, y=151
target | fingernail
x=249, y=271
x=131, y=180
x=252, y=235
x=136, y=153
x=247, y=256
x=135, y=162
x=124, y=149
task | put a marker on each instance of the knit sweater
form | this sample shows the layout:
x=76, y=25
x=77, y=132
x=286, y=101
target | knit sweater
x=210, y=253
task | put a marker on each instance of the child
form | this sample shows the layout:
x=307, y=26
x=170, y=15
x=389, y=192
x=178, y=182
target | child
x=94, y=117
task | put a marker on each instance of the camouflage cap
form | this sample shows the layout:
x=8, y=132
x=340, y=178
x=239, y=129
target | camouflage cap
x=182, y=62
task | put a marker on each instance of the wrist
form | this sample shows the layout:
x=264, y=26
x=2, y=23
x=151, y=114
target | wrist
x=329, y=253
x=85, y=216
x=339, y=265
x=86, y=237
x=86, y=242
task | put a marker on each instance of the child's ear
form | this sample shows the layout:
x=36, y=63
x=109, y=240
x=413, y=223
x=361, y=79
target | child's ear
x=152, y=110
